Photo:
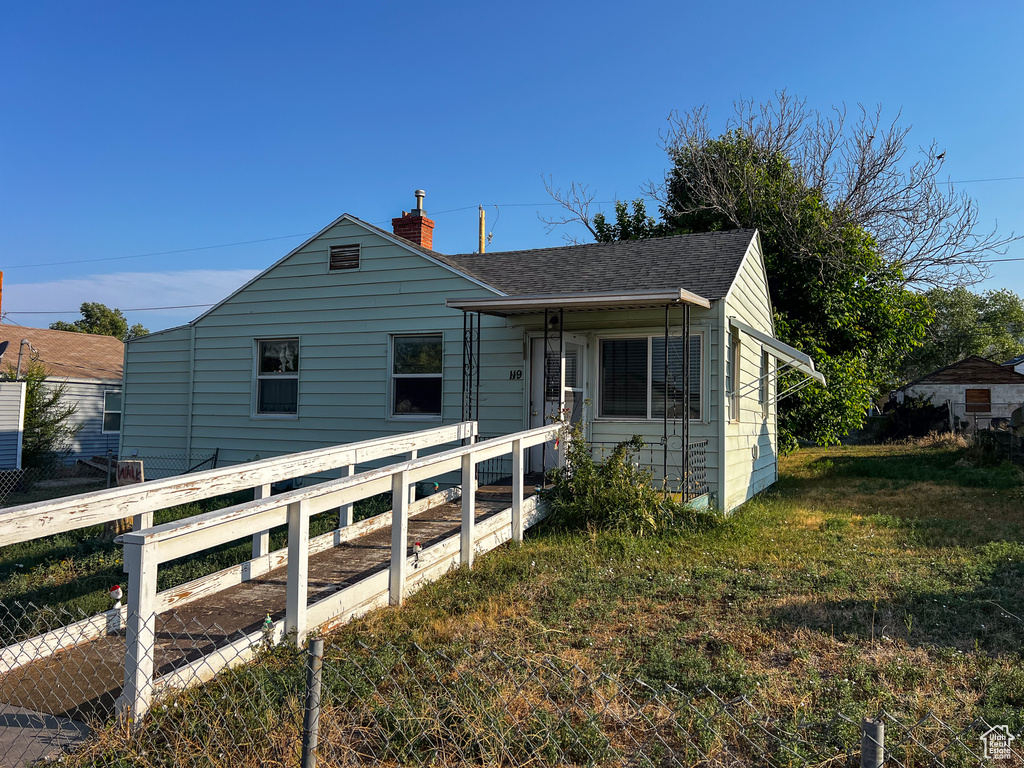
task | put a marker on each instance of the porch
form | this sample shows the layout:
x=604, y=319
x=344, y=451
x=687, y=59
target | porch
x=610, y=379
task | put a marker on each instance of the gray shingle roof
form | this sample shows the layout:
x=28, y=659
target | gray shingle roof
x=704, y=263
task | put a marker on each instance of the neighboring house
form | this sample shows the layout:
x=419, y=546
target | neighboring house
x=1017, y=364
x=360, y=332
x=12, y=423
x=976, y=389
x=90, y=368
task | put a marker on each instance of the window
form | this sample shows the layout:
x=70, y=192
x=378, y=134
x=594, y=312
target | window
x=111, y=411
x=341, y=257
x=762, y=390
x=416, y=372
x=732, y=374
x=632, y=381
x=978, y=400
x=277, y=377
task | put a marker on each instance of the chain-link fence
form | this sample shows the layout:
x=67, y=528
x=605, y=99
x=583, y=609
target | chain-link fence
x=232, y=697
x=57, y=479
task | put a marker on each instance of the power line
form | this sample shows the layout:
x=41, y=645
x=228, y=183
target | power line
x=251, y=242
x=158, y=253
x=978, y=181
x=382, y=221
x=77, y=311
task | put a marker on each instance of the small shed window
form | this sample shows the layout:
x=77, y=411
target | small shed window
x=277, y=377
x=417, y=364
x=342, y=257
x=111, y=411
x=978, y=400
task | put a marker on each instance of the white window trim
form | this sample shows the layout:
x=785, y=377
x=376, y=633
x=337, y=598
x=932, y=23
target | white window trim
x=255, y=398
x=736, y=366
x=763, y=395
x=103, y=418
x=651, y=335
x=390, y=405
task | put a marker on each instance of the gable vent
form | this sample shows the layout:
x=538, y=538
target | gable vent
x=343, y=257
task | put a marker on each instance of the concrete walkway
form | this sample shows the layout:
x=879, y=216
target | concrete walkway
x=82, y=683
x=26, y=736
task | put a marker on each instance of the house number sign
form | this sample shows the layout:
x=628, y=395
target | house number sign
x=515, y=373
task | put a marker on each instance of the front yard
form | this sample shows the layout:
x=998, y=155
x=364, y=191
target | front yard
x=870, y=578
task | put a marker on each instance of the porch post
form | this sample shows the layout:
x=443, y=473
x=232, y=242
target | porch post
x=686, y=402
x=664, y=421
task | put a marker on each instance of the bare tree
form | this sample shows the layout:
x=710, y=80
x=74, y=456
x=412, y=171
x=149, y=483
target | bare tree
x=577, y=201
x=862, y=169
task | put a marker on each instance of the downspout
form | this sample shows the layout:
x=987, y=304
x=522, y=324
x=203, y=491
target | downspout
x=124, y=390
x=191, y=387
x=723, y=399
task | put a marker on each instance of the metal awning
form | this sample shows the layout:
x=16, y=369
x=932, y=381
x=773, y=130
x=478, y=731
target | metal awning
x=503, y=306
x=790, y=357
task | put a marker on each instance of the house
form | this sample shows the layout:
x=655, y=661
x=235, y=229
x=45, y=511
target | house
x=977, y=390
x=1016, y=364
x=360, y=332
x=90, y=368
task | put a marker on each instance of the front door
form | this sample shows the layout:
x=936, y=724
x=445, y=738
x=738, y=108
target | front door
x=557, y=390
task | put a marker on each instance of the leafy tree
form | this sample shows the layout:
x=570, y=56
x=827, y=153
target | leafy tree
x=989, y=324
x=48, y=432
x=839, y=263
x=101, y=320
x=627, y=226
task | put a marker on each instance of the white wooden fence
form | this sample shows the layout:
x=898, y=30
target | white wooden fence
x=33, y=521
x=146, y=549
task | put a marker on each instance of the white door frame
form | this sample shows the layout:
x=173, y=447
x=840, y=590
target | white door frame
x=535, y=386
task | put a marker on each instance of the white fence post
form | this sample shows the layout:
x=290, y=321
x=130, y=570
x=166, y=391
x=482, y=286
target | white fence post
x=413, y=455
x=345, y=511
x=517, y=490
x=468, y=510
x=261, y=540
x=298, y=570
x=140, y=636
x=145, y=520
x=399, y=536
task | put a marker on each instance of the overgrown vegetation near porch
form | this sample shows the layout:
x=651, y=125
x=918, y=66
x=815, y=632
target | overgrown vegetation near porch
x=870, y=577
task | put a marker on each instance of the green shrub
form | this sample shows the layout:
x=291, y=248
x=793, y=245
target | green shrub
x=616, y=495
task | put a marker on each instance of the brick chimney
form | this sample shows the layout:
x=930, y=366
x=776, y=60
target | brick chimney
x=414, y=225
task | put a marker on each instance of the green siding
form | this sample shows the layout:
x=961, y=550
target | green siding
x=155, y=394
x=192, y=388
x=344, y=321
x=748, y=301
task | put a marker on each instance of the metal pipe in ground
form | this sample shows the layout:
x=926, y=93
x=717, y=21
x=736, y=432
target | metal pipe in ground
x=311, y=720
x=872, y=743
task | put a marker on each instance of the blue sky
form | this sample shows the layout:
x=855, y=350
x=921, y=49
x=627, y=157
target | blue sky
x=141, y=129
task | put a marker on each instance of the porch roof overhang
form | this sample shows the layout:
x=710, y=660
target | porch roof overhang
x=504, y=306
x=793, y=357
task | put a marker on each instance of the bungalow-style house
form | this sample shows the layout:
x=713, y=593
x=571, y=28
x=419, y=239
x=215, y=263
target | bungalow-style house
x=360, y=332
x=977, y=390
x=89, y=367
